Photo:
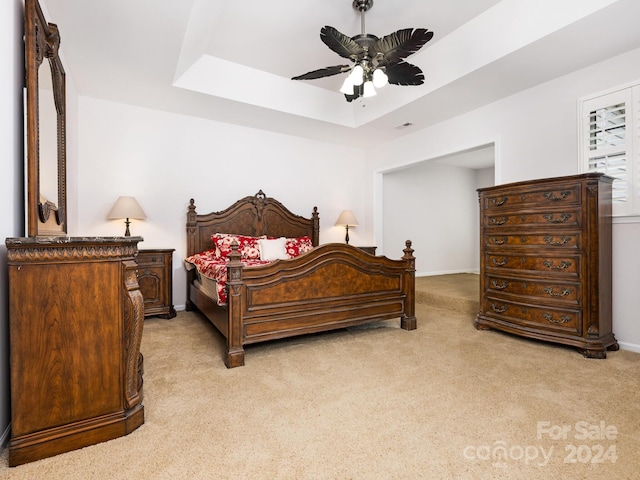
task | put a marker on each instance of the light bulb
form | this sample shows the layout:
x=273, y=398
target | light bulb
x=369, y=91
x=380, y=78
x=356, y=75
x=347, y=86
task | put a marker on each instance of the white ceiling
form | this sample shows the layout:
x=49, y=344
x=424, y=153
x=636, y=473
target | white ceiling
x=232, y=61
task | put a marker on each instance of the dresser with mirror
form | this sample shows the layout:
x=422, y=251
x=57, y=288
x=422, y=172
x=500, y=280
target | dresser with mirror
x=75, y=308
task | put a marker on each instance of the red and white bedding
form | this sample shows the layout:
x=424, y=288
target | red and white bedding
x=254, y=251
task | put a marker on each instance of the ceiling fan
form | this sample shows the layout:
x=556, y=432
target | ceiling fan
x=376, y=62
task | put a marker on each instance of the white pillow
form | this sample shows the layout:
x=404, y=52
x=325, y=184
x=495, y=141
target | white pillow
x=274, y=249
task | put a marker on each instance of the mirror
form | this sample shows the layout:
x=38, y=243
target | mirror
x=45, y=123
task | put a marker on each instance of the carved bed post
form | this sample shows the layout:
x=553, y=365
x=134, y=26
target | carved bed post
x=235, y=350
x=315, y=237
x=192, y=248
x=408, y=321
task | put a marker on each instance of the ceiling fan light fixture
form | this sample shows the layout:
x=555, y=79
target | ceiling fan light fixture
x=376, y=61
x=369, y=90
x=380, y=78
x=347, y=86
x=357, y=75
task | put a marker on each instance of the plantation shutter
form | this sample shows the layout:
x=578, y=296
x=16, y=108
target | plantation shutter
x=606, y=142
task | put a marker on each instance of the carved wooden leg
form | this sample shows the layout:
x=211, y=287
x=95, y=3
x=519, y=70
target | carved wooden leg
x=408, y=323
x=593, y=353
x=234, y=358
x=481, y=326
x=172, y=313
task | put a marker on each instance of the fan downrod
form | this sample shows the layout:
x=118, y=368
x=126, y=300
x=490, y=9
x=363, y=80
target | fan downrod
x=362, y=5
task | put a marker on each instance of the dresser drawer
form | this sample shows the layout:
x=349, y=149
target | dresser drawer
x=567, y=265
x=546, y=317
x=540, y=196
x=546, y=218
x=547, y=291
x=568, y=240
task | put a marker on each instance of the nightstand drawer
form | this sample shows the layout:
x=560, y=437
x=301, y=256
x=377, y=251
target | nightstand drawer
x=151, y=260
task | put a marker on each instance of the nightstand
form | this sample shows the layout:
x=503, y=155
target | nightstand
x=371, y=250
x=155, y=274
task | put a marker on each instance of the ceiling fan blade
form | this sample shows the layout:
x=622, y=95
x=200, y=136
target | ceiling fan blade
x=398, y=45
x=323, y=72
x=403, y=73
x=340, y=43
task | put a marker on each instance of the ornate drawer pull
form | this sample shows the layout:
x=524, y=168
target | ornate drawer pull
x=501, y=262
x=499, y=286
x=563, y=218
x=549, y=318
x=498, y=202
x=563, y=293
x=549, y=264
x=562, y=241
x=498, y=221
x=551, y=196
x=502, y=309
x=499, y=241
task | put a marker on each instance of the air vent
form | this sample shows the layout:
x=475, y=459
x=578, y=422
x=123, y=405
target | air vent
x=404, y=125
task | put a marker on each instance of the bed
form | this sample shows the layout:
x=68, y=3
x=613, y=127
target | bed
x=331, y=286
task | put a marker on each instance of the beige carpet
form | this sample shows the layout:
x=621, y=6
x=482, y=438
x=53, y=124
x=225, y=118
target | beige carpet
x=459, y=292
x=370, y=403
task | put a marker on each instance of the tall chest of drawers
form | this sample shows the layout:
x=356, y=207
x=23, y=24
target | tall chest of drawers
x=545, y=261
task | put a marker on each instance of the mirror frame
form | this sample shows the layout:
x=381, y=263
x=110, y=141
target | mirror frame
x=42, y=41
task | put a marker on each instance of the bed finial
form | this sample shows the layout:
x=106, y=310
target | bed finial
x=408, y=251
x=191, y=217
x=259, y=201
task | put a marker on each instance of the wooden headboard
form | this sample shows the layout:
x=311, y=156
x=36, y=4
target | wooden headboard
x=254, y=216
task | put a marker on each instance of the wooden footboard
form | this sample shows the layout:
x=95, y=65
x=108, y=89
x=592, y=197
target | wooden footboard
x=334, y=286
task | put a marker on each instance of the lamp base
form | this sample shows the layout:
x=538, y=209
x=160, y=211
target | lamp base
x=127, y=233
x=346, y=237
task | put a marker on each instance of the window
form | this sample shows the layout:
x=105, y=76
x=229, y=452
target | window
x=610, y=143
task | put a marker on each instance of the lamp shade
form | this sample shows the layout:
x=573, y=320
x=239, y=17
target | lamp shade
x=347, y=218
x=126, y=207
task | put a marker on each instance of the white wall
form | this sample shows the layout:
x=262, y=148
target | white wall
x=535, y=133
x=441, y=220
x=164, y=159
x=12, y=178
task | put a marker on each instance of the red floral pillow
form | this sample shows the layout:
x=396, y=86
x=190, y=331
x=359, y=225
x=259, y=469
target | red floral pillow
x=247, y=246
x=298, y=246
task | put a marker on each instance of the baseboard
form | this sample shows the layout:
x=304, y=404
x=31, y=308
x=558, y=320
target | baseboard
x=632, y=347
x=447, y=272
